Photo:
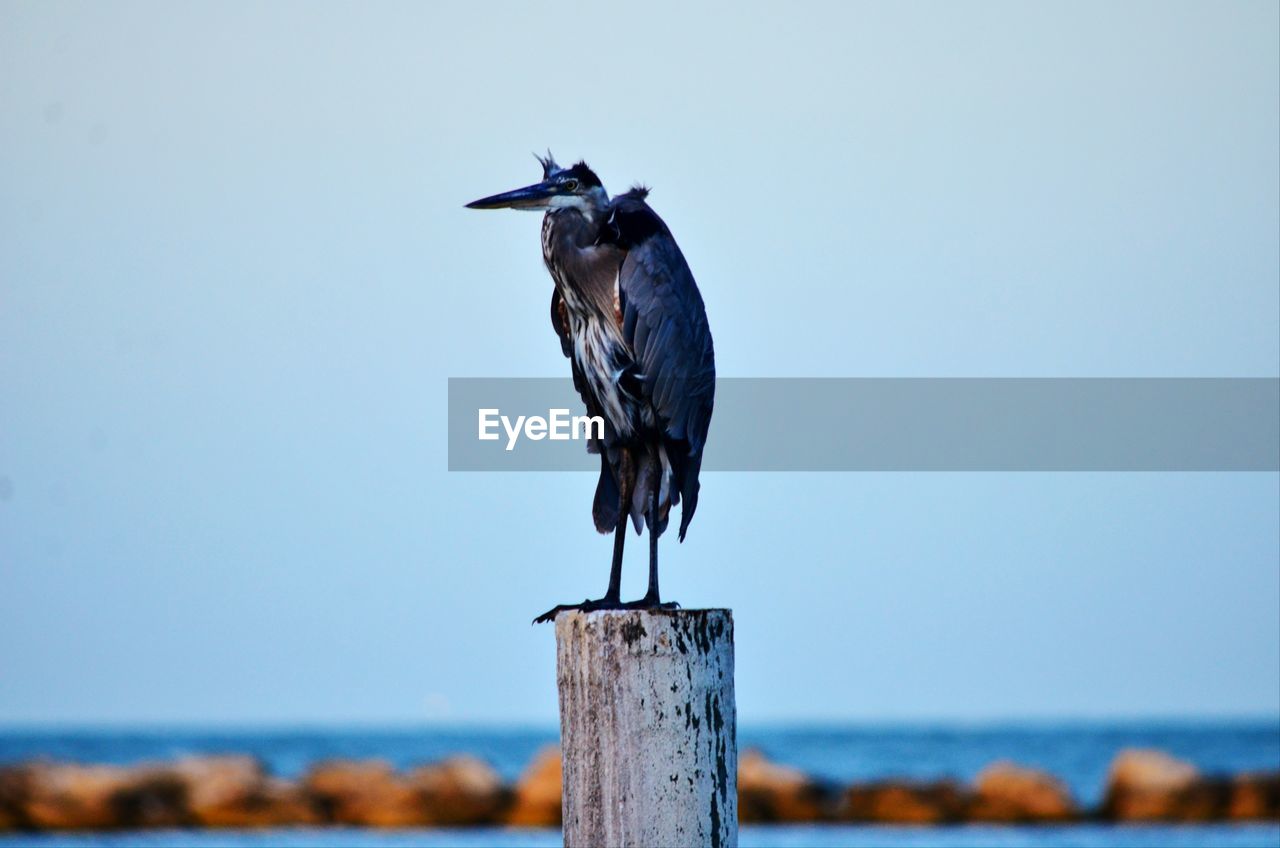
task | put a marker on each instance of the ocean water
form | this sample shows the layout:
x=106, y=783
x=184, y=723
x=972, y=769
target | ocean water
x=1079, y=753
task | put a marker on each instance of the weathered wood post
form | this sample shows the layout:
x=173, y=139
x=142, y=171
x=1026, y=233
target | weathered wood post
x=648, y=728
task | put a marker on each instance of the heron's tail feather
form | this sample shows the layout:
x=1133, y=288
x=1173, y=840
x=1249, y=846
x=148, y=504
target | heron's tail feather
x=687, y=480
x=653, y=478
x=607, y=509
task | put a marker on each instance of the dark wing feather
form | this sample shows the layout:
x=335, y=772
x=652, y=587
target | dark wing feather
x=665, y=323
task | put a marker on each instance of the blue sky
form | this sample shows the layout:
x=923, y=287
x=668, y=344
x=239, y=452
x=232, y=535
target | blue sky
x=235, y=275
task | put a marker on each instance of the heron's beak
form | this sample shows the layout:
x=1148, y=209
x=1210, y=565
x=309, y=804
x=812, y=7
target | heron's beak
x=536, y=196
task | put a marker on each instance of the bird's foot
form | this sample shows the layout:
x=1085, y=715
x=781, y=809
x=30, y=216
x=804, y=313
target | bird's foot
x=585, y=606
x=649, y=603
x=604, y=604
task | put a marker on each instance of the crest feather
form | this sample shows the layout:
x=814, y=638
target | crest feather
x=548, y=164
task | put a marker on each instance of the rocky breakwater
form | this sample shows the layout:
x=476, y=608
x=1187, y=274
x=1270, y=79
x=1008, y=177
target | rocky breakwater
x=237, y=792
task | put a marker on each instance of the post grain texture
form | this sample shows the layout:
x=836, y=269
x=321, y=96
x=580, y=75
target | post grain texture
x=648, y=728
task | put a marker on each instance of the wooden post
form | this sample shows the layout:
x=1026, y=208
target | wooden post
x=648, y=728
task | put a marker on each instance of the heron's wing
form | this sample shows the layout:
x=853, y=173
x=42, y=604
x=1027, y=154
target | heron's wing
x=665, y=323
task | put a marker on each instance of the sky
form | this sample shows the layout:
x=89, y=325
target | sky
x=236, y=274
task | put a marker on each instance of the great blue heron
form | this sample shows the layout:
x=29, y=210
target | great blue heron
x=631, y=321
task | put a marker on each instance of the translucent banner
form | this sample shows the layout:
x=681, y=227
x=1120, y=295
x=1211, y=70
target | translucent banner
x=890, y=424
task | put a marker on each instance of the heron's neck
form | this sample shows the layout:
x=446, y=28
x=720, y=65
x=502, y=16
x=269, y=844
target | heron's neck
x=589, y=205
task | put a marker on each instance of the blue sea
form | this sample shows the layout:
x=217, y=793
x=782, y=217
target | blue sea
x=1079, y=753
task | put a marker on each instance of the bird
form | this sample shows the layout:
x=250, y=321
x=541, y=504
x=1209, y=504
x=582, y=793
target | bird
x=633, y=325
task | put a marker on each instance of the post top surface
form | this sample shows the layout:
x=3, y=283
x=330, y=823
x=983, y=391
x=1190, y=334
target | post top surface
x=672, y=612
x=675, y=614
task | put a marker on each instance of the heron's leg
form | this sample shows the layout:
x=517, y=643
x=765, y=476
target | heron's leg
x=613, y=595
x=652, y=599
x=614, y=592
x=652, y=596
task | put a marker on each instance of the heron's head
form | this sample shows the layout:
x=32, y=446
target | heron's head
x=575, y=187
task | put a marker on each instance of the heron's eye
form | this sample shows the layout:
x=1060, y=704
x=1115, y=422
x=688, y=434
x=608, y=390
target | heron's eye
x=571, y=185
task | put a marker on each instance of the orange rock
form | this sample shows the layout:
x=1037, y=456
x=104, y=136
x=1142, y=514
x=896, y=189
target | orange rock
x=903, y=803
x=1255, y=796
x=537, y=793
x=65, y=796
x=152, y=796
x=1153, y=786
x=769, y=792
x=1151, y=770
x=1005, y=792
x=367, y=793
x=62, y=796
x=14, y=781
x=235, y=791
x=460, y=791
